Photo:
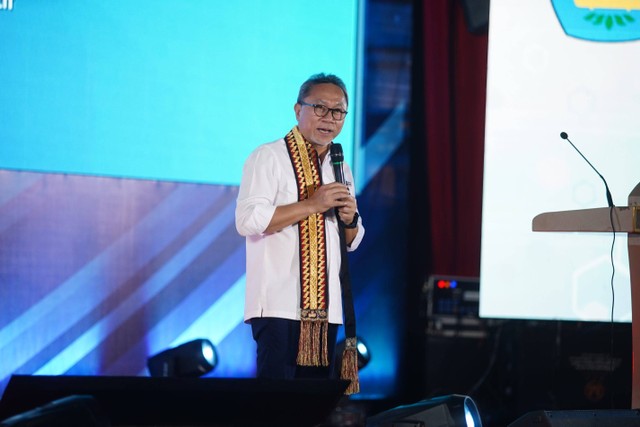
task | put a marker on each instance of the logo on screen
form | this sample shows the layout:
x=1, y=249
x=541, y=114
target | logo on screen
x=600, y=20
x=6, y=4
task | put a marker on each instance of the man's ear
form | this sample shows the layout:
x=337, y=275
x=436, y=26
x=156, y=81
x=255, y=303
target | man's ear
x=297, y=107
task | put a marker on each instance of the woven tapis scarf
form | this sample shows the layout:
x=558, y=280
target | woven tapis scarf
x=314, y=298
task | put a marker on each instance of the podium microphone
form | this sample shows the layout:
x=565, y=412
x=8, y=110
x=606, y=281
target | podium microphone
x=564, y=135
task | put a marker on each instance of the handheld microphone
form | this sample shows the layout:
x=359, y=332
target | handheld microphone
x=337, y=159
x=564, y=135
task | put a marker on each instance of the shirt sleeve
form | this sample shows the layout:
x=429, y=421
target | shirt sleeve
x=258, y=189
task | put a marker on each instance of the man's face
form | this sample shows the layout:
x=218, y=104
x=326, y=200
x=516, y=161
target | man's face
x=320, y=131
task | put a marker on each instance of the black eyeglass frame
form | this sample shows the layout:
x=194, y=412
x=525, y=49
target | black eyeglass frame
x=318, y=108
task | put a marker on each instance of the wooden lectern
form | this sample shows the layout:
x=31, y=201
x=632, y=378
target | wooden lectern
x=625, y=220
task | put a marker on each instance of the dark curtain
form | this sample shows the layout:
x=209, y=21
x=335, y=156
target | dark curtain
x=452, y=93
x=446, y=162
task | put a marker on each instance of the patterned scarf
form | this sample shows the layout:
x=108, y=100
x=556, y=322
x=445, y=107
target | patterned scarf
x=314, y=301
x=312, y=349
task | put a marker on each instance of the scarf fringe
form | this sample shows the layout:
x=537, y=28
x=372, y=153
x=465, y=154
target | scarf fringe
x=349, y=368
x=312, y=346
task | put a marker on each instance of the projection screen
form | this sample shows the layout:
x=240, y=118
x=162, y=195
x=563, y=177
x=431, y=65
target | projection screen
x=558, y=66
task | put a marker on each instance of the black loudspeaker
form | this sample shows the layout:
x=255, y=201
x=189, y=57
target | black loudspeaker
x=604, y=418
x=72, y=411
x=216, y=402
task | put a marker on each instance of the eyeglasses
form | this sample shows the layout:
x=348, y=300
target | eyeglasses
x=322, y=110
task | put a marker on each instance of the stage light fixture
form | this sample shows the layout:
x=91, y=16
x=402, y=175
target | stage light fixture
x=364, y=355
x=192, y=359
x=445, y=411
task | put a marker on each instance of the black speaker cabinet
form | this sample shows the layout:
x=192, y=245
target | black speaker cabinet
x=218, y=402
x=72, y=411
x=601, y=418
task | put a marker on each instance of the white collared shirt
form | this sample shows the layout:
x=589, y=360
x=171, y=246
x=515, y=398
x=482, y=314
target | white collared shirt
x=273, y=264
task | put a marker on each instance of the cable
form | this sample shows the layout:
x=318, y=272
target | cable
x=492, y=361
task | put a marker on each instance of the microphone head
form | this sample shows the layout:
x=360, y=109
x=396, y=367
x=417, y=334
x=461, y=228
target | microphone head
x=337, y=155
x=564, y=135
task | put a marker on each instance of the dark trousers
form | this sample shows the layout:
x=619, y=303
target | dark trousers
x=277, y=341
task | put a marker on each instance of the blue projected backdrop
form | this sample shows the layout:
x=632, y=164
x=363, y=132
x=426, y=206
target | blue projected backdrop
x=125, y=127
x=162, y=89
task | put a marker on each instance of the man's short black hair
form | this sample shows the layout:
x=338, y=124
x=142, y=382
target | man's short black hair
x=321, y=78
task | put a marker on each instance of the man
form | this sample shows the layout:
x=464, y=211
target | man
x=286, y=209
